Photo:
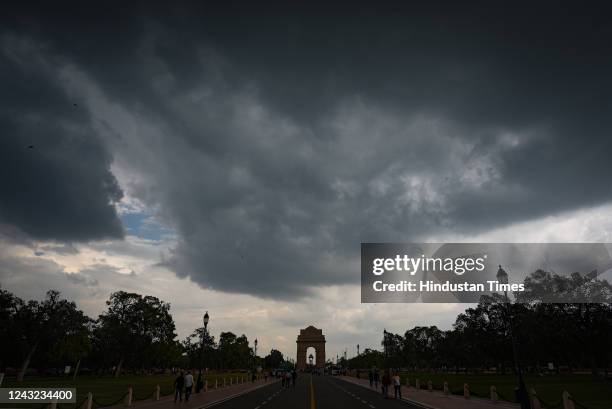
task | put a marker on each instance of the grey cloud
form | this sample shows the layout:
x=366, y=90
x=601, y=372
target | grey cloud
x=275, y=143
x=30, y=278
x=56, y=174
x=63, y=248
x=79, y=278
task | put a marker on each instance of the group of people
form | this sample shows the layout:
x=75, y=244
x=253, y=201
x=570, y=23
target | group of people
x=183, y=383
x=386, y=381
x=289, y=378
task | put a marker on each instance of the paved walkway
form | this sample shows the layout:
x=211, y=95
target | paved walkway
x=202, y=399
x=437, y=399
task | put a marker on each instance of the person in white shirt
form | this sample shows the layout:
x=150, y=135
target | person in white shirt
x=188, y=385
x=397, y=385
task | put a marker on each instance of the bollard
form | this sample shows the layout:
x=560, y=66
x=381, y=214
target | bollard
x=216, y=383
x=128, y=398
x=157, y=392
x=1, y=378
x=446, y=391
x=231, y=380
x=494, y=396
x=466, y=391
x=429, y=386
x=417, y=385
x=224, y=381
x=89, y=402
x=535, y=401
x=568, y=403
x=206, y=386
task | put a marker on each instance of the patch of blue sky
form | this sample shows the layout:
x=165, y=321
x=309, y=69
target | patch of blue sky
x=145, y=226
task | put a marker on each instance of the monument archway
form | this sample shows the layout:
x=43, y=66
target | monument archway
x=310, y=337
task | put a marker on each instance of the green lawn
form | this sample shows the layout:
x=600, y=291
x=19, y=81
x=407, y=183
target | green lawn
x=594, y=394
x=107, y=390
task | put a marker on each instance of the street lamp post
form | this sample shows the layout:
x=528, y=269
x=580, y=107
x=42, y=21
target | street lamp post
x=357, y=349
x=522, y=395
x=255, y=358
x=200, y=382
x=385, y=341
x=385, y=333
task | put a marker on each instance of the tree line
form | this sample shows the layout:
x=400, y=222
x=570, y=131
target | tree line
x=568, y=335
x=136, y=333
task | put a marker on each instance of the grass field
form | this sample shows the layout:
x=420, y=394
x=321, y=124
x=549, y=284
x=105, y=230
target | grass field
x=593, y=394
x=107, y=390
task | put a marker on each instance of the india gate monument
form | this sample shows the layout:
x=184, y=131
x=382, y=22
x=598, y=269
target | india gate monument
x=310, y=337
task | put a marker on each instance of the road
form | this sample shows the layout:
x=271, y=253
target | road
x=316, y=392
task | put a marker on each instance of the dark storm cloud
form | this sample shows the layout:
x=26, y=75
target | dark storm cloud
x=56, y=179
x=274, y=142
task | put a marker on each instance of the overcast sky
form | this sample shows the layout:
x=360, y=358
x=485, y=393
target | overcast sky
x=233, y=160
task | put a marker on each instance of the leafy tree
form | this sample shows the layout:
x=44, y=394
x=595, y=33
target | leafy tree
x=201, y=349
x=134, y=329
x=274, y=359
x=10, y=305
x=235, y=351
x=72, y=348
x=43, y=326
x=481, y=336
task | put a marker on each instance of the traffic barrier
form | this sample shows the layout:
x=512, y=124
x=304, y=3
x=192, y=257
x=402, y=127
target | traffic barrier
x=89, y=402
x=535, y=401
x=568, y=402
x=128, y=398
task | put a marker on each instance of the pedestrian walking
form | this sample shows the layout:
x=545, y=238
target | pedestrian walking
x=376, y=378
x=386, y=381
x=293, y=377
x=188, y=385
x=179, y=382
x=371, y=377
x=397, y=385
x=288, y=379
